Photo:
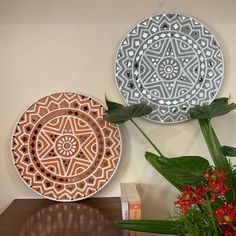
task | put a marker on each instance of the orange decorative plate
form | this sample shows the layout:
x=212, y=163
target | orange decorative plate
x=63, y=149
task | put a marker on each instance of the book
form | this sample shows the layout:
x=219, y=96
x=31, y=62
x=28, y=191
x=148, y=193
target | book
x=131, y=204
x=130, y=201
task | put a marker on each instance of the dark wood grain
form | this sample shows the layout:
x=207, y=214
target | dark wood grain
x=39, y=217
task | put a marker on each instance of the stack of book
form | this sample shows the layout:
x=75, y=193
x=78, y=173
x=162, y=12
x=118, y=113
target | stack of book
x=131, y=203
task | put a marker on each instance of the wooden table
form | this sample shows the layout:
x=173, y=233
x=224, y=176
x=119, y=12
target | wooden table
x=39, y=217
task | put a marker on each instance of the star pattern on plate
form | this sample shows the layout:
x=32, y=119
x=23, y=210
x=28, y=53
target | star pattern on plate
x=63, y=149
x=170, y=62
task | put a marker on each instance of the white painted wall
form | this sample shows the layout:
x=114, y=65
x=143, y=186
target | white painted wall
x=67, y=45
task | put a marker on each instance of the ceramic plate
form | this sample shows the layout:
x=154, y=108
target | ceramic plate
x=63, y=149
x=171, y=62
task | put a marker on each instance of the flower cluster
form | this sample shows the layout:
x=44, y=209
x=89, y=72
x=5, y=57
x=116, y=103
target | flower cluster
x=213, y=185
x=212, y=188
x=190, y=196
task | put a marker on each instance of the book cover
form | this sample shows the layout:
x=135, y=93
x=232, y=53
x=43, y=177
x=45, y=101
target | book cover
x=124, y=202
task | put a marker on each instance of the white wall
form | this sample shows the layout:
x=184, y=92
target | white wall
x=68, y=45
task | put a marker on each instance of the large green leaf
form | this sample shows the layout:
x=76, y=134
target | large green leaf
x=153, y=160
x=179, y=171
x=228, y=151
x=151, y=226
x=118, y=113
x=218, y=107
x=219, y=159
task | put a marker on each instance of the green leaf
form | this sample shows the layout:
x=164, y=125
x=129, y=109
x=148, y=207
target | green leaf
x=112, y=105
x=219, y=159
x=228, y=151
x=153, y=160
x=151, y=226
x=118, y=113
x=179, y=171
x=218, y=107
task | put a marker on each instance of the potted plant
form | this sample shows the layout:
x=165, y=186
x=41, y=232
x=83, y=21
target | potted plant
x=206, y=204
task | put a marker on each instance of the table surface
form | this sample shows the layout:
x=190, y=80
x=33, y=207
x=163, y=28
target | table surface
x=41, y=217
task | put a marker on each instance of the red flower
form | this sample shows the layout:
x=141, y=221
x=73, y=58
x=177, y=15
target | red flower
x=190, y=196
x=213, y=177
x=218, y=191
x=228, y=230
x=225, y=214
x=186, y=199
x=214, y=180
x=200, y=193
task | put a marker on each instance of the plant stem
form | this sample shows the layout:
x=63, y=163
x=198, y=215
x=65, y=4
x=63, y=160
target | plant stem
x=212, y=216
x=149, y=140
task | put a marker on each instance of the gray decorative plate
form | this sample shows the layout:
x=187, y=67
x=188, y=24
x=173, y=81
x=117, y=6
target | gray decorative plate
x=171, y=62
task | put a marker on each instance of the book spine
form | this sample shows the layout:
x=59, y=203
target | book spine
x=125, y=210
x=134, y=214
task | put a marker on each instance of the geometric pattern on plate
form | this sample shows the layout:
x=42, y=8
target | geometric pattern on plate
x=170, y=62
x=63, y=148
